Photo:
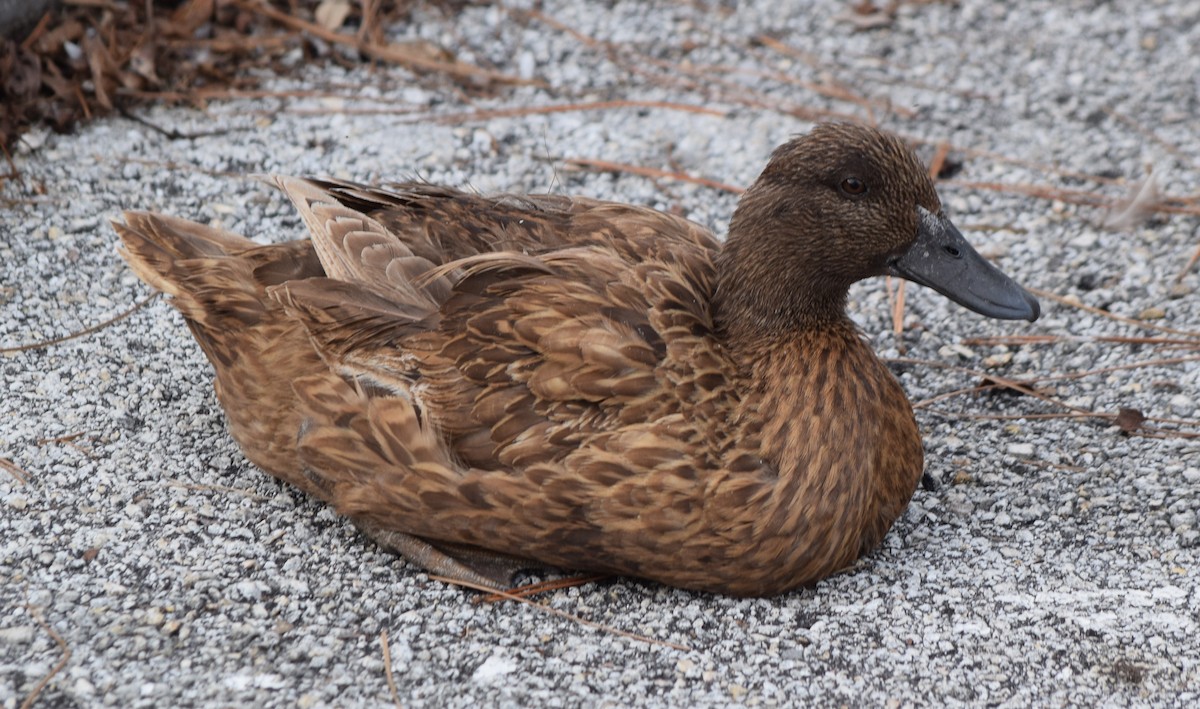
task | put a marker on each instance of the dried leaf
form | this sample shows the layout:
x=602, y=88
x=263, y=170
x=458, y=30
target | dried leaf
x=189, y=17
x=998, y=387
x=1138, y=207
x=99, y=61
x=1129, y=420
x=331, y=14
x=141, y=61
x=866, y=15
x=53, y=41
x=59, y=84
x=22, y=72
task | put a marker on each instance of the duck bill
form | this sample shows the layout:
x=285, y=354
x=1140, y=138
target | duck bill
x=943, y=260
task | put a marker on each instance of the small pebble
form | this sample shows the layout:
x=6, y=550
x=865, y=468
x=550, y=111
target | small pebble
x=1021, y=450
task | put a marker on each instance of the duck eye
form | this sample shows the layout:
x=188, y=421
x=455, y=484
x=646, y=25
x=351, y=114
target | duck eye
x=853, y=186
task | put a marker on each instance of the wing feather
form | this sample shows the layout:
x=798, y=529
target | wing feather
x=560, y=377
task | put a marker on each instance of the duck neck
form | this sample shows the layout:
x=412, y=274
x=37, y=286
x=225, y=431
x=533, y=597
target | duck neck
x=768, y=292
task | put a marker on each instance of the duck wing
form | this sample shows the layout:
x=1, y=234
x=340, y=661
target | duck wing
x=523, y=400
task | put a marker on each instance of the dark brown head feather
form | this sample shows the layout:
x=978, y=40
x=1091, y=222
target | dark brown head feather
x=798, y=239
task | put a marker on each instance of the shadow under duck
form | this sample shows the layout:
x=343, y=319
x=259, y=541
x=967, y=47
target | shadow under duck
x=485, y=384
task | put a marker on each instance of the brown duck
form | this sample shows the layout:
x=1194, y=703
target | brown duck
x=484, y=384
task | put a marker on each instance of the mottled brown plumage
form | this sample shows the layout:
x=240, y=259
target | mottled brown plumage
x=487, y=383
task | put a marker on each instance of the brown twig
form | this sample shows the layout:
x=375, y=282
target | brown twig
x=38, y=30
x=1081, y=197
x=1084, y=197
x=13, y=172
x=15, y=470
x=82, y=333
x=702, y=79
x=653, y=173
x=518, y=111
x=206, y=94
x=555, y=24
x=1005, y=382
x=939, y=159
x=896, y=296
x=998, y=381
x=66, y=657
x=1035, y=165
x=412, y=116
x=924, y=403
x=173, y=133
x=216, y=488
x=562, y=614
x=1142, y=431
x=67, y=440
x=387, y=668
x=697, y=78
x=1149, y=135
x=221, y=45
x=1053, y=466
x=836, y=89
x=172, y=165
x=1025, y=388
x=1104, y=313
x=1116, y=368
x=1023, y=340
x=542, y=587
x=384, y=52
x=1188, y=267
x=904, y=76
x=105, y=4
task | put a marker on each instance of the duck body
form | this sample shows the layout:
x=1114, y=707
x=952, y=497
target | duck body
x=484, y=384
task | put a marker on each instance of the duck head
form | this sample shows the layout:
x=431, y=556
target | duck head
x=840, y=204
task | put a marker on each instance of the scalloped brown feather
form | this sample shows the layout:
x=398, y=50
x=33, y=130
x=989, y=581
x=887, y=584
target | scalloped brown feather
x=543, y=378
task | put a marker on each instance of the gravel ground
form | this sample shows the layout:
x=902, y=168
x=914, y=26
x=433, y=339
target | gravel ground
x=1055, y=561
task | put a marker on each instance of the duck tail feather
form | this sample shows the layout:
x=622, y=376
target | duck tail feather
x=200, y=266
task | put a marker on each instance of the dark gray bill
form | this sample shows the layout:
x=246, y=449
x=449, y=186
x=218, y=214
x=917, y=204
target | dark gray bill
x=943, y=260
